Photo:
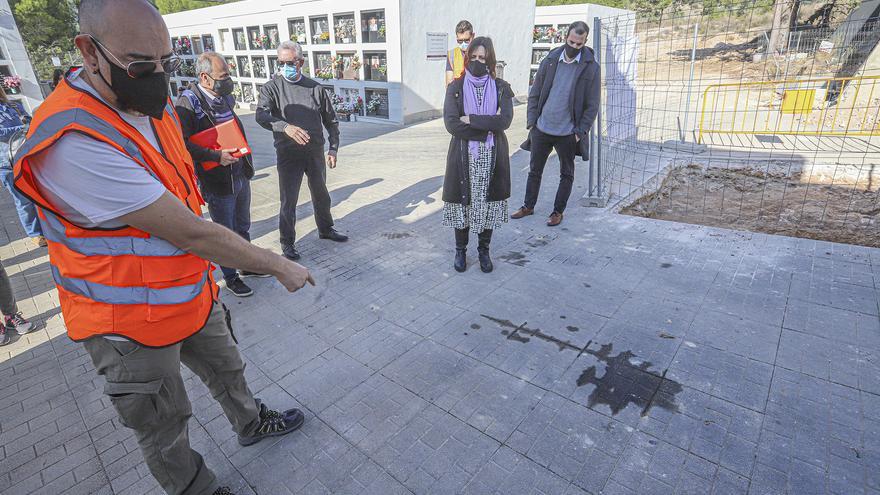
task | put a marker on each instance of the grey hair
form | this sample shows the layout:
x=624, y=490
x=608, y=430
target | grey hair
x=292, y=46
x=205, y=62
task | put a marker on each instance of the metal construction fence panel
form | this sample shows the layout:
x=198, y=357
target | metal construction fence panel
x=742, y=117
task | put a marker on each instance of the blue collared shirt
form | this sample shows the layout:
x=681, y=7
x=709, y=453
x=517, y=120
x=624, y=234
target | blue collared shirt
x=576, y=59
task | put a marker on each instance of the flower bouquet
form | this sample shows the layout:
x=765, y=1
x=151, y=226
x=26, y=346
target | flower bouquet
x=183, y=46
x=374, y=104
x=325, y=73
x=12, y=84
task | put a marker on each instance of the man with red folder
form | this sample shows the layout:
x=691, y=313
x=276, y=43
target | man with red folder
x=224, y=174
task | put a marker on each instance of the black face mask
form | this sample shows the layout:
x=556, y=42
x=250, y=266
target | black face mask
x=477, y=68
x=223, y=87
x=571, y=52
x=147, y=95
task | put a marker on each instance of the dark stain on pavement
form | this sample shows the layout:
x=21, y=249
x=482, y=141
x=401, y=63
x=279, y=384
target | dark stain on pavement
x=514, y=258
x=626, y=382
x=515, y=332
x=572, y=329
x=538, y=242
x=396, y=235
x=626, y=379
x=474, y=326
x=666, y=265
x=515, y=336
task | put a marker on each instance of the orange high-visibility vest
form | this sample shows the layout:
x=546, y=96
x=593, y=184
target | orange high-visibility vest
x=456, y=58
x=122, y=281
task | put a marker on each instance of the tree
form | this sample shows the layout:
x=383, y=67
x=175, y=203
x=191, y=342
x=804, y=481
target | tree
x=782, y=21
x=171, y=6
x=47, y=28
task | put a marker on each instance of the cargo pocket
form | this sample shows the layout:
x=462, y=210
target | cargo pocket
x=136, y=403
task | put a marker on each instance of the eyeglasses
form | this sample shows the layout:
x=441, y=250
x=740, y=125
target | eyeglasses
x=288, y=64
x=142, y=68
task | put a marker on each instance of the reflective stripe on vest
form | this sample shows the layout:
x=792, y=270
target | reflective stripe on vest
x=130, y=295
x=54, y=231
x=170, y=111
x=56, y=122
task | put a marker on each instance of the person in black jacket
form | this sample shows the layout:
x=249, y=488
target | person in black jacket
x=226, y=188
x=477, y=111
x=297, y=109
x=563, y=104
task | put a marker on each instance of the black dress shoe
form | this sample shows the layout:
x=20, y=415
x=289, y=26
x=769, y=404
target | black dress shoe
x=289, y=252
x=333, y=236
x=460, y=263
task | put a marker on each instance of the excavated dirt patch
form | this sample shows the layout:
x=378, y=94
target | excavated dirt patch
x=773, y=203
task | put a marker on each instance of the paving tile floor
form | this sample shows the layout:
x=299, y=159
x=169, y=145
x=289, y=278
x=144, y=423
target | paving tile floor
x=613, y=355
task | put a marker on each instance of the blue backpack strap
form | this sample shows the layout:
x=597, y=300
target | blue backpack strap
x=196, y=104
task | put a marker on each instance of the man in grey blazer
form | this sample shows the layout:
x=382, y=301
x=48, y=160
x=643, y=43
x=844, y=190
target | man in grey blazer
x=563, y=104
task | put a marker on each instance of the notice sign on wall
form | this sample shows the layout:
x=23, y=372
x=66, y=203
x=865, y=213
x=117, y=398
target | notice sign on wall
x=437, y=43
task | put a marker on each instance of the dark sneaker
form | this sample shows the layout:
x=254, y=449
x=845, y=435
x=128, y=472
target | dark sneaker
x=238, y=288
x=223, y=490
x=333, y=236
x=274, y=424
x=289, y=252
x=247, y=274
x=4, y=337
x=18, y=323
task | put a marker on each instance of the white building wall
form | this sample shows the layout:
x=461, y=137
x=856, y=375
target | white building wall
x=559, y=17
x=15, y=58
x=261, y=13
x=507, y=22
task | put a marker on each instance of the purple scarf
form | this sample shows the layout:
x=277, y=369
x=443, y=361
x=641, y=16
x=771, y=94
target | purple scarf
x=489, y=106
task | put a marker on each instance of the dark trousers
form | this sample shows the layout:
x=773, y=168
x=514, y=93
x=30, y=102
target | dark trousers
x=232, y=211
x=7, y=297
x=542, y=145
x=291, y=167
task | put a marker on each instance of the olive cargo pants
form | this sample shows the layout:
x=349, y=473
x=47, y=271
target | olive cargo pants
x=145, y=386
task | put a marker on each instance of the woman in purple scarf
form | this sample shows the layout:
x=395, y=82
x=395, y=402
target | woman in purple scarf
x=477, y=111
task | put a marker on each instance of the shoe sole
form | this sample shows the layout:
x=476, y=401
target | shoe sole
x=293, y=258
x=236, y=294
x=245, y=442
x=334, y=240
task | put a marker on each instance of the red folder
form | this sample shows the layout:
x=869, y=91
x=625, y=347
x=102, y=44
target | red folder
x=225, y=136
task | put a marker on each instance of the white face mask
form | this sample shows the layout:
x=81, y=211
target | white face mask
x=464, y=45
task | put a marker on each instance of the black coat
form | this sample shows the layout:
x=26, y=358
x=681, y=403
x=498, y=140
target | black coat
x=219, y=179
x=456, y=183
x=585, y=97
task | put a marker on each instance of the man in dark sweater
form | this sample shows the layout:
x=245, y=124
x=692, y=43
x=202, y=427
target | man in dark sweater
x=226, y=188
x=297, y=109
x=563, y=104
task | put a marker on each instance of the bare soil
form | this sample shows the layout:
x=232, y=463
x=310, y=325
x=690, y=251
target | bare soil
x=746, y=199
